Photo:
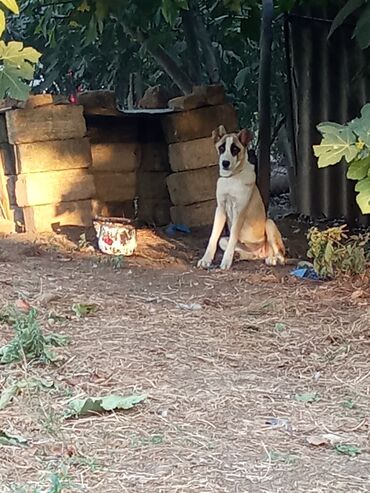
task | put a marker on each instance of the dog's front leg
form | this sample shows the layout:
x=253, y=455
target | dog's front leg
x=228, y=257
x=218, y=225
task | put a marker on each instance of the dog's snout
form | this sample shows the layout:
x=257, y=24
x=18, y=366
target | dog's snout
x=226, y=164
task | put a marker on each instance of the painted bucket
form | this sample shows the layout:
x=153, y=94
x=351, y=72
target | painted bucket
x=116, y=236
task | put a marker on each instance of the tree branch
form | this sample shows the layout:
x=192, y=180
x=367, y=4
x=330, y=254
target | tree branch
x=164, y=59
x=188, y=22
x=209, y=55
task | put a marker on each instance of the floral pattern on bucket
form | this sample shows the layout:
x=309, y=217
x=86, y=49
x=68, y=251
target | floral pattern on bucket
x=115, y=236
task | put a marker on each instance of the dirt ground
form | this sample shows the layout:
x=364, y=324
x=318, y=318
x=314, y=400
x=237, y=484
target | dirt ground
x=255, y=381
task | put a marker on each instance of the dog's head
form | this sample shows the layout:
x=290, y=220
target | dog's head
x=232, y=149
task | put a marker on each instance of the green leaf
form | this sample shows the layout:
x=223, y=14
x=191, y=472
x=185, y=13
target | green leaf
x=80, y=407
x=362, y=29
x=361, y=126
x=11, y=5
x=83, y=310
x=2, y=22
x=11, y=84
x=363, y=201
x=363, y=186
x=351, y=450
x=337, y=143
x=307, y=397
x=9, y=439
x=7, y=395
x=344, y=13
x=359, y=169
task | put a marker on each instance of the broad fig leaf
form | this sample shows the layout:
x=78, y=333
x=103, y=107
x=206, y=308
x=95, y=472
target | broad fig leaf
x=363, y=201
x=2, y=22
x=16, y=68
x=361, y=126
x=329, y=127
x=11, y=84
x=11, y=5
x=359, y=169
x=337, y=143
x=363, y=186
x=8, y=439
x=79, y=407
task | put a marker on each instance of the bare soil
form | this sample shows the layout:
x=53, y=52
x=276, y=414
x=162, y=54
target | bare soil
x=255, y=381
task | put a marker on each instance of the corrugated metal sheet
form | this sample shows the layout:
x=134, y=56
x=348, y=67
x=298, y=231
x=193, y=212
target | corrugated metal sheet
x=328, y=81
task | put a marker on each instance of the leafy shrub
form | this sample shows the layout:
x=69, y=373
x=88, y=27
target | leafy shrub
x=334, y=252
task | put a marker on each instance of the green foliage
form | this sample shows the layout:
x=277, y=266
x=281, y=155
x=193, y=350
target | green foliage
x=32, y=383
x=350, y=450
x=80, y=407
x=10, y=439
x=333, y=251
x=18, y=63
x=350, y=142
x=83, y=310
x=29, y=342
x=362, y=29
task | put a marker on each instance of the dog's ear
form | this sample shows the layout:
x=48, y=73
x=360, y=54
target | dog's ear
x=245, y=137
x=218, y=133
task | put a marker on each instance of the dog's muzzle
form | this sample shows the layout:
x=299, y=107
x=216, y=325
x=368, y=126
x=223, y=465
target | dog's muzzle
x=226, y=164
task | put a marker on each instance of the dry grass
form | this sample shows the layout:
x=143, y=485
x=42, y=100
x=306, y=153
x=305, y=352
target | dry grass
x=215, y=376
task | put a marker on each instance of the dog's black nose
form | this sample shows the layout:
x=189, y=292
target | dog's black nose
x=226, y=164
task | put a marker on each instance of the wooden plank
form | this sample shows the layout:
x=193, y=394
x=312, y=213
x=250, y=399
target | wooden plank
x=51, y=217
x=115, y=187
x=194, y=154
x=197, y=124
x=152, y=185
x=99, y=102
x=194, y=215
x=7, y=159
x=53, y=187
x=213, y=94
x=121, y=157
x=154, y=157
x=190, y=187
x=53, y=155
x=38, y=100
x=7, y=226
x=45, y=123
x=188, y=102
x=3, y=130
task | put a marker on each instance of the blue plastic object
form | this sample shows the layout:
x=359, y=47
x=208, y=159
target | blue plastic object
x=306, y=273
x=177, y=228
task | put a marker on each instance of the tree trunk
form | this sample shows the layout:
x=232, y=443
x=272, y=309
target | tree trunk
x=164, y=59
x=209, y=55
x=264, y=103
x=188, y=23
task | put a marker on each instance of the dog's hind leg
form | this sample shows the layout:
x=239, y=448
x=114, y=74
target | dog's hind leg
x=275, y=245
x=243, y=253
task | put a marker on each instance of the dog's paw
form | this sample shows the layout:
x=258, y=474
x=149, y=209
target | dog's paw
x=272, y=261
x=226, y=263
x=204, y=263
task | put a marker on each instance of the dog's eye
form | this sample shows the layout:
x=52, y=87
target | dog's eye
x=235, y=150
x=221, y=149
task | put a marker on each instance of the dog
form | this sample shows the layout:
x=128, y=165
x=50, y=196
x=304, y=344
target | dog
x=240, y=205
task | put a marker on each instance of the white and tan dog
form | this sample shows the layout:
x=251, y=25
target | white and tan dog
x=239, y=203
